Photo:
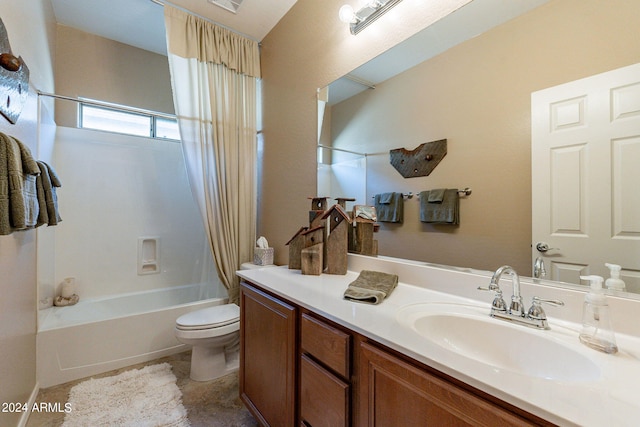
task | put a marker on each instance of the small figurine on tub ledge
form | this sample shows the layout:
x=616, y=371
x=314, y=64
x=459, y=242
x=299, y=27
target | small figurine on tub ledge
x=67, y=295
x=61, y=301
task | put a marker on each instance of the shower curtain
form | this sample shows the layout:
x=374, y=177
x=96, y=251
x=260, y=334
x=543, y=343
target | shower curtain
x=213, y=75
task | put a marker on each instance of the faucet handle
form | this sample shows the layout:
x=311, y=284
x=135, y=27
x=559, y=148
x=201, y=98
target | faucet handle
x=498, y=303
x=536, y=312
x=492, y=287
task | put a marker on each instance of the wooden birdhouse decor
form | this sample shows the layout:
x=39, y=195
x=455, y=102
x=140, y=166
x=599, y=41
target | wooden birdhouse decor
x=324, y=244
x=342, y=201
x=296, y=245
x=318, y=207
x=361, y=240
x=312, y=256
x=337, y=240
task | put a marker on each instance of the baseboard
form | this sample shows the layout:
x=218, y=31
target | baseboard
x=32, y=400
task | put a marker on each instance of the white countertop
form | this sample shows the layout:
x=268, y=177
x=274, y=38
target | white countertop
x=610, y=400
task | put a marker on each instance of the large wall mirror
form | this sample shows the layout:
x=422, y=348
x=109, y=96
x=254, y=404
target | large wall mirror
x=469, y=79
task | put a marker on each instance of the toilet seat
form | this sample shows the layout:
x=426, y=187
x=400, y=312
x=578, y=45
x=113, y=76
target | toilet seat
x=209, y=318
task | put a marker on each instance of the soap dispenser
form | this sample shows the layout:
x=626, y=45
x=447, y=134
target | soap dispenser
x=596, y=319
x=614, y=282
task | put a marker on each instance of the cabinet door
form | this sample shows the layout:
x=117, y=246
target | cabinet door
x=267, y=357
x=324, y=399
x=394, y=393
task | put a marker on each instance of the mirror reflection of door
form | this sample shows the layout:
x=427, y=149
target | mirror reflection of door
x=586, y=176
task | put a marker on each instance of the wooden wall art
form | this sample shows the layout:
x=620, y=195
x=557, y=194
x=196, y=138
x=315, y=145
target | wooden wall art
x=420, y=161
x=14, y=80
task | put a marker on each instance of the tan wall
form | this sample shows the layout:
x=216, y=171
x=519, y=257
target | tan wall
x=93, y=67
x=477, y=95
x=308, y=49
x=31, y=31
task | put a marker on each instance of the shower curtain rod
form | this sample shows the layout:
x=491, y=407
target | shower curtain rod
x=164, y=2
x=342, y=149
x=108, y=105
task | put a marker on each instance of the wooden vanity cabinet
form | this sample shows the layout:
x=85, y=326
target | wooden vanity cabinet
x=299, y=369
x=394, y=392
x=267, y=379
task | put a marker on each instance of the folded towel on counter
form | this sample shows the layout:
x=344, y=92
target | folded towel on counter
x=371, y=287
x=389, y=207
x=46, y=184
x=445, y=212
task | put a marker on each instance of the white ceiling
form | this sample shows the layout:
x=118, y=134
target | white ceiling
x=469, y=21
x=140, y=23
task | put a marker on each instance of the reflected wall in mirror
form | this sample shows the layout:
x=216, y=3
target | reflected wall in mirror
x=476, y=93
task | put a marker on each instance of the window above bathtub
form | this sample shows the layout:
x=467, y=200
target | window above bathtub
x=108, y=117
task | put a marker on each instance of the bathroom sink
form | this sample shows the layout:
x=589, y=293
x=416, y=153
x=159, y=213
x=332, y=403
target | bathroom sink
x=471, y=333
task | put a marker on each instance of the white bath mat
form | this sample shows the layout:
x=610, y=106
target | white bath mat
x=147, y=397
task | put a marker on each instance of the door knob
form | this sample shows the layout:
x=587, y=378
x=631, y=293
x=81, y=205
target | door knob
x=544, y=247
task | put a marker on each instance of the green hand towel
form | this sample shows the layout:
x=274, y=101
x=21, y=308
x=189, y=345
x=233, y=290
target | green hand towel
x=447, y=212
x=5, y=209
x=371, y=287
x=436, y=196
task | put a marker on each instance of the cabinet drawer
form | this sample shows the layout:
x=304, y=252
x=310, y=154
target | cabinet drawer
x=326, y=344
x=324, y=399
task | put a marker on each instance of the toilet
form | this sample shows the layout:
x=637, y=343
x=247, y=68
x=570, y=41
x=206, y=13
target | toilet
x=214, y=334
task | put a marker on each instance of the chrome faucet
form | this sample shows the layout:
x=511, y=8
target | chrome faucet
x=535, y=317
x=515, y=308
x=538, y=268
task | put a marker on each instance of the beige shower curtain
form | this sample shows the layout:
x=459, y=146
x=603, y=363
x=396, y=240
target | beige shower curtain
x=213, y=75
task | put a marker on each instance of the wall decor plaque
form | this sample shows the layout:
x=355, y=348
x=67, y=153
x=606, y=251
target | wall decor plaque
x=420, y=161
x=14, y=79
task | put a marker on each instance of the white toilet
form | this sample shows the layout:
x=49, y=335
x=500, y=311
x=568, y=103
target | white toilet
x=214, y=333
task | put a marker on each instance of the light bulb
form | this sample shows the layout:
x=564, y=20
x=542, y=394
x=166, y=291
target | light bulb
x=347, y=14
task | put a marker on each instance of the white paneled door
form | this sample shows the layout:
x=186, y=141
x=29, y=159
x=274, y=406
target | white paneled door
x=585, y=154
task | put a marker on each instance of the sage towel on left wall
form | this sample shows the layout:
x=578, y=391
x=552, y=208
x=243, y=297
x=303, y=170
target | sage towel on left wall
x=18, y=196
x=5, y=223
x=47, y=197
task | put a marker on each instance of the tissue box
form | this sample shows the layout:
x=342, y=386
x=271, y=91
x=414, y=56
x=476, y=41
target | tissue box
x=263, y=256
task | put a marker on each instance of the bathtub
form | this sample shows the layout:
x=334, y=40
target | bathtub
x=99, y=335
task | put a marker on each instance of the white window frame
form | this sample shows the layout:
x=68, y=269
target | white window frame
x=152, y=117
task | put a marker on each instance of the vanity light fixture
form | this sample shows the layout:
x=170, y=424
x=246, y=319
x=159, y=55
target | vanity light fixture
x=230, y=5
x=370, y=12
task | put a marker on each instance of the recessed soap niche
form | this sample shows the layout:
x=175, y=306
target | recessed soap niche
x=148, y=255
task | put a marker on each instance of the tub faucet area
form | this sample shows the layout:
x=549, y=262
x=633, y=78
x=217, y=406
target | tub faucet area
x=535, y=317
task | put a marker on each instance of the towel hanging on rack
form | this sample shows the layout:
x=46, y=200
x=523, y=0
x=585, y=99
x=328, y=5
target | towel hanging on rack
x=18, y=197
x=46, y=183
x=447, y=211
x=389, y=207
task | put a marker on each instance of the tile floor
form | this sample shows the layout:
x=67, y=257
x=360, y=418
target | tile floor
x=209, y=404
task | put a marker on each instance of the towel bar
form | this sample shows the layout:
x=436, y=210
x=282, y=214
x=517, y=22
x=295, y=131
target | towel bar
x=465, y=192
